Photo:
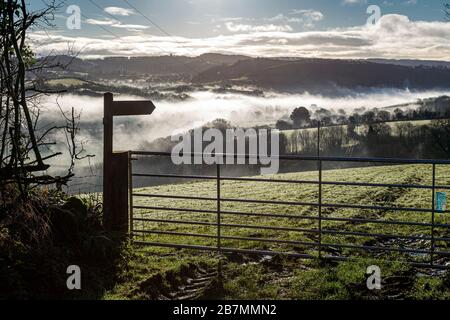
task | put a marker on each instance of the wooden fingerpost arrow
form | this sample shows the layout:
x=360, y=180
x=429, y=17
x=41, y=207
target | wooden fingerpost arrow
x=115, y=164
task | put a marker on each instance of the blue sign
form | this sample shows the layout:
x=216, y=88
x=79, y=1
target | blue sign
x=441, y=201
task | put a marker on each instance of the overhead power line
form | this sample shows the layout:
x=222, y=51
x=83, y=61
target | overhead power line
x=117, y=19
x=114, y=34
x=103, y=10
x=100, y=26
x=186, y=64
x=159, y=27
x=148, y=19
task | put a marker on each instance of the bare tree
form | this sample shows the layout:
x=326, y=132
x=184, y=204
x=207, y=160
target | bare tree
x=21, y=144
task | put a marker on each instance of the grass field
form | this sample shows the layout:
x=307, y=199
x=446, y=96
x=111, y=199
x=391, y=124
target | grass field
x=281, y=277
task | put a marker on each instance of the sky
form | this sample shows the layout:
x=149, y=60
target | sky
x=394, y=29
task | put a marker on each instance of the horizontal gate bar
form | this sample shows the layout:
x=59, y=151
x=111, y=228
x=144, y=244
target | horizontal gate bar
x=269, y=215
x=222, y=224
x=349, y=184
x=364, y=207
x=291, y=203
x=163, y=196
x=174, y=245
x=262, y=215
x=186, y=234
x=324, y=231
x=329, y=205
x=337, y=183
x=272, y=253
x=349, y=246
x=174, y=209
x=306, y=158
x=197, y=177
x=230, y=250
x=200, y=223
x=366, y=248
x=227, y=237
x=388, y=222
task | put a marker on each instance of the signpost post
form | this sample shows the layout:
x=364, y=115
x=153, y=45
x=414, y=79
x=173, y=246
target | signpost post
x=115, y=164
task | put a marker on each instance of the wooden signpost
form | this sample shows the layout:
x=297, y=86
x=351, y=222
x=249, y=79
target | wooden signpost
x=115, y=164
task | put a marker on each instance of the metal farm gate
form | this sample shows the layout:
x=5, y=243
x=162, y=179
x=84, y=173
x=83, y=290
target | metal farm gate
x=434, y=235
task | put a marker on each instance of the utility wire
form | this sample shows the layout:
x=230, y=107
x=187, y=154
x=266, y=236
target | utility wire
x=103, y=10
x=159, y=27
x=117, y=19
x=148, y=19
x=186, y=64
x=100, y=26
x=112, y=33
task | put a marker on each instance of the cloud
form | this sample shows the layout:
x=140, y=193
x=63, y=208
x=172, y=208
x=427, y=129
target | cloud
x=231, y=26
x=410, y=2
x=309, y=13
x=107, y=22
x=130, y=26
x=305, y=17
x=117, y=24
x=395, y=36
x=308, y=17
x=117, y=11
x=282, y=17
x=351, y=2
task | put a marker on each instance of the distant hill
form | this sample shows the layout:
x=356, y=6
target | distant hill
x=160, y=65
x=322, y=74
x=222, y=59
x=413, y=63
x=285, y=74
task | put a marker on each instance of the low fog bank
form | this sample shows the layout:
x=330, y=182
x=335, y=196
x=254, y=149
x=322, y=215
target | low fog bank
x=133, y=133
